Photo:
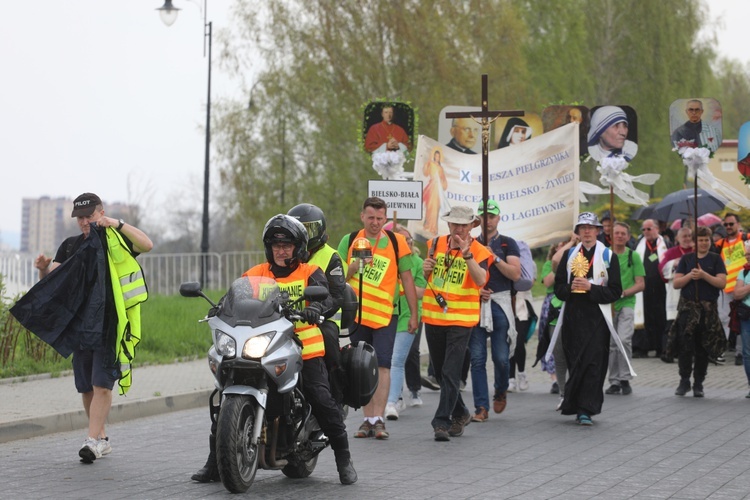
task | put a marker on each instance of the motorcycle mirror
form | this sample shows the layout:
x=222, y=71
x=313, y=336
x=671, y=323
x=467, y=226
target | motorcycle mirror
x=193, y=289
x=316, y=293
x=190, y=289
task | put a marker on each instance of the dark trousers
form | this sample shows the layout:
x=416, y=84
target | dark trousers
x=695, y=362
x=317, y=391
x=412, y=368
x=448, y=345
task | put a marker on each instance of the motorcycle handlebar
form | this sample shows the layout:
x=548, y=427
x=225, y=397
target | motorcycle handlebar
x=297, y=317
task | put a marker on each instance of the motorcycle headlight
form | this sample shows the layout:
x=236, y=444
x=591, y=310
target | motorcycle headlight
x=255, y=348
x=225, y=345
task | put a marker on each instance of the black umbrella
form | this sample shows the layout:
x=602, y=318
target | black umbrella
x=642, y=213
x=682, y=205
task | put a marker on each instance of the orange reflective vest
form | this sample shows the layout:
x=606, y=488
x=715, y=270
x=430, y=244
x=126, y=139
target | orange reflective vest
x=379, y=281
x=294, y=284
x=733, y=255
x=451, y=278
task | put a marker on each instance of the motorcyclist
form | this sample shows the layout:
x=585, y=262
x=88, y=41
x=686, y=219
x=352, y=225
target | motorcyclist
x=285, y=240
x=327, y=259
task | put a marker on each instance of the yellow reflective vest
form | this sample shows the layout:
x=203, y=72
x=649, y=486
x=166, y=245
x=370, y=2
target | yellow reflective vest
x=129, y=290
x=322, y=259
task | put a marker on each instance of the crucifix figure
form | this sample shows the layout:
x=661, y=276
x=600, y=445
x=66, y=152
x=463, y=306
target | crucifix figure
x=485, y=119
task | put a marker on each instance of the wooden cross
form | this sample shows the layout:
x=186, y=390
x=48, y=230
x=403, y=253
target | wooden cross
x=485, y=119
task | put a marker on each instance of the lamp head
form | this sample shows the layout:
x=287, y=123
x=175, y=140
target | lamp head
x=361, y=249
x=168, y=13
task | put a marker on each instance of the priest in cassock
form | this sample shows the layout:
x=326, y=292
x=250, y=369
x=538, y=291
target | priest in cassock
x=588, y=281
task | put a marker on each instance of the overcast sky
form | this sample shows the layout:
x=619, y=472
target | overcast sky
x=99, y=95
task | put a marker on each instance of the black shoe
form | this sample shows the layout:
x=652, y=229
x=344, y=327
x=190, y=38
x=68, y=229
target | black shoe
x=697, y=390
x=430, y=382
x=555, y=388
x=626, y=389
x=738, y=360
x=441, y=434
x=640, y=354
x=347, y=474
x=683, y=388
x=207, y=474
x=613, y=389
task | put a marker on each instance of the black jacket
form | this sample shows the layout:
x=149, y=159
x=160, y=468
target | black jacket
x=67, y=308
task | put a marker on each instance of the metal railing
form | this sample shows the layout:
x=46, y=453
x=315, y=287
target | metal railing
x=164, y=272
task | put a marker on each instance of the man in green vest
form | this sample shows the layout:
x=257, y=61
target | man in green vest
x=93, y=380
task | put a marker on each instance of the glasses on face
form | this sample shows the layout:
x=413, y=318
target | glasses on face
x=646, y=228
x=694, y=110
x=728, y=224
x=467, y=130
x=282, y=247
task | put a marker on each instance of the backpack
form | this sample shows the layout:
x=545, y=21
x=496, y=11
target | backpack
x=528, y=268
x=391, y=236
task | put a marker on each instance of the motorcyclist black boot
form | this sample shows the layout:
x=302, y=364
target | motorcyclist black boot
x=340, y=445
x=210, y=471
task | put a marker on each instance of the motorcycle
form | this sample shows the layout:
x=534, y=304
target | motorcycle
x=262, y=417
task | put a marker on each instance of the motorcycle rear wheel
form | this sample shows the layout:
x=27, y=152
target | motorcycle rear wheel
x=236, y=457
x=298, y=470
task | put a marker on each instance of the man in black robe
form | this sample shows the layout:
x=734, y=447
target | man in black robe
x=585, y=330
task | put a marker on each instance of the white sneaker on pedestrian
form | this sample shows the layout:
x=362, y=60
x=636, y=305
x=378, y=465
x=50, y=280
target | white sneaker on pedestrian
x=400, y=405
x=559, y=405
x=523, y=384
x=512, y=387
x=416, y=399
x=103, y=446
x=89, y=451
x=390, y=411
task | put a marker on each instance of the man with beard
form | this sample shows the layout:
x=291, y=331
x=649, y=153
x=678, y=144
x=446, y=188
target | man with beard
x=651, y=248
x=732, y=252
x=588, y=280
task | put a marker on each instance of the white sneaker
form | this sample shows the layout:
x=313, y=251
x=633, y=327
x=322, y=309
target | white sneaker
x=89, y=451
x=400, y=405
x=559, y=405
x=523, y=384
x=416, y=399
x=103, y=446
x=512, y=385
x=391, y=413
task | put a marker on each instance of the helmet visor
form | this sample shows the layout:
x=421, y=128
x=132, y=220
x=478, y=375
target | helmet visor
x=314, y=228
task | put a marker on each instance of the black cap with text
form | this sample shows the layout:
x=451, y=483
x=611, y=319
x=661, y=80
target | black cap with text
x=85, y=204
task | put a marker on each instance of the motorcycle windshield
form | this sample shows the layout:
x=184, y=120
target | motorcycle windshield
x=251, y=301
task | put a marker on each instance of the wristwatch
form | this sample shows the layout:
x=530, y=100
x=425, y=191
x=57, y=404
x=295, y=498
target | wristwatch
x=122, y=223
x=468, y=256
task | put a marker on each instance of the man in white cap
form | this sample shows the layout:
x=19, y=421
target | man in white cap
x=587, y=280
x=455, y=270
x=608, y=134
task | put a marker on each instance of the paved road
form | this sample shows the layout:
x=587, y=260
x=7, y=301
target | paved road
x=651, y=444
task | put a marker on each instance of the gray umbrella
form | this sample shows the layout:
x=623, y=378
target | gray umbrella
x=642, y=213
x=682, y=205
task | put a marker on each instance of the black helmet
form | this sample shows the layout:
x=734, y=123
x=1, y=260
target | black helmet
x=284, y=229
x=314, y=221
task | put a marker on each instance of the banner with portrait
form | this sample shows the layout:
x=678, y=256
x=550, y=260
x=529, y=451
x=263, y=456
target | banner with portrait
x=535, y=183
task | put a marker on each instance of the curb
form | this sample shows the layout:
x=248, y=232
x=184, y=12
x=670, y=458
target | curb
x=122, y=412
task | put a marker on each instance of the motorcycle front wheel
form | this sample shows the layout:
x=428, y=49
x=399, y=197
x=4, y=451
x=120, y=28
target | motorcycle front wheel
x=236, y=456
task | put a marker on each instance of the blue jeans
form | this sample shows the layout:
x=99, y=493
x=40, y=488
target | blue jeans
x=401, y=348
x=745, y=332
x=500, y=357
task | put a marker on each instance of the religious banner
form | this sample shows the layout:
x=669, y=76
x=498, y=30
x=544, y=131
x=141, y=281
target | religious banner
x=743, y=152
x=695, y=123
x=535, y=183
x=387, y=133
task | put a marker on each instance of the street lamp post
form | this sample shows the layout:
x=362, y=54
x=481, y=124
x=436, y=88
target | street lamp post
x=168, y=14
